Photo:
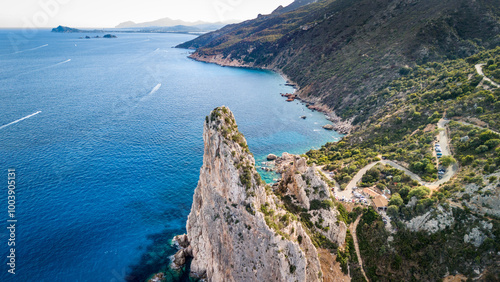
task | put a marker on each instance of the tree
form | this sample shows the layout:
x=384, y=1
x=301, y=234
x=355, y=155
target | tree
x=430, y=168
x=396, y=200
x=446, y=161
x=419, y=192
x=393, y=211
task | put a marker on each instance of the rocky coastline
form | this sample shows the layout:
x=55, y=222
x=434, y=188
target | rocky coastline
x=340, y=125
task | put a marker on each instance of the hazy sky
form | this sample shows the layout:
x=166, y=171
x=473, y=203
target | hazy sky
x=109, y=13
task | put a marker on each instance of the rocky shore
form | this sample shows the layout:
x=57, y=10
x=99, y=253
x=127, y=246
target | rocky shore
x=341, y=126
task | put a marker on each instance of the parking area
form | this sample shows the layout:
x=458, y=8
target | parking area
x=354, y=195
x=439, y=153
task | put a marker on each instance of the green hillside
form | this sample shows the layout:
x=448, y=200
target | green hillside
x=403, y=130
x=340, y=52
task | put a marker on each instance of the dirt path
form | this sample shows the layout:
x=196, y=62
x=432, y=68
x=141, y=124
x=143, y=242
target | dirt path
x=445, y=147
x=479, y=69
x=352, y=227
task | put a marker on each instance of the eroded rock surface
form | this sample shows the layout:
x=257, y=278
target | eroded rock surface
x=238, y=231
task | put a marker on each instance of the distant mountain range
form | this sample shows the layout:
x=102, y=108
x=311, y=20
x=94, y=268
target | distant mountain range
x=194, y=29
x=168, y=22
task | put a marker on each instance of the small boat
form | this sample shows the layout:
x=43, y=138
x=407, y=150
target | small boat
x=303, y=117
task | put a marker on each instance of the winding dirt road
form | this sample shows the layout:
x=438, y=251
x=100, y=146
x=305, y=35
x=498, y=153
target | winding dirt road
x=450, y=172
x=479, y=69
x=445, y=147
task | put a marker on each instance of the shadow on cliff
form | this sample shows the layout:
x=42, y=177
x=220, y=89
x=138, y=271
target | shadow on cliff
x=156, y=258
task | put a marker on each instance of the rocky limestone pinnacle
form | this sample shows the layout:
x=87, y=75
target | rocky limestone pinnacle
x=237, y=229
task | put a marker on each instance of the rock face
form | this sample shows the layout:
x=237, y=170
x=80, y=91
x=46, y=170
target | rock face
x=432, y=221
x=487, y=202
x=307, y=190
x=228, y=234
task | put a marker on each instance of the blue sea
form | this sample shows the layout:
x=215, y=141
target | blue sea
x=105, y=136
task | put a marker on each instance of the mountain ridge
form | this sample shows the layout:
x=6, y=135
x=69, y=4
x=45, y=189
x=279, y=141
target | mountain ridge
x=163, y=22
x=340, y=52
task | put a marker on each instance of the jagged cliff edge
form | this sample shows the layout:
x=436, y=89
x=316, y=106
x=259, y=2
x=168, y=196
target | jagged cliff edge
x=238, y=229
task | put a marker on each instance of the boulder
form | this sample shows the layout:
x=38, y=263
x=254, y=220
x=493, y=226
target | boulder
x=180, y=258
x=182, y=240
x=271, y=157
x=328, y=127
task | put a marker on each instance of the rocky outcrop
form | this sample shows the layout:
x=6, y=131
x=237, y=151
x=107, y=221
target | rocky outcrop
x=219, y=60
x=307, y=190
x=232, y=231
x=271, y=157
x=432, y=221
x=483, y=199
x=328, y=127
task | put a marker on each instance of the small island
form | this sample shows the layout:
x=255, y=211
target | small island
x=66, y=29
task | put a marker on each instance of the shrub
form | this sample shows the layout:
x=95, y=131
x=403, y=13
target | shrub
x=419, y=192
x=447, y=161
x=396, y=200
x=492, y=143
x=482, y=149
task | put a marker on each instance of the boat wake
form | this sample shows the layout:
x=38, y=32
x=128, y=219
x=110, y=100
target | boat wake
x=21, y=119
x=44, y=68
x=153, y=91
x=22, y=51
x=68, y=60
x=45, y=45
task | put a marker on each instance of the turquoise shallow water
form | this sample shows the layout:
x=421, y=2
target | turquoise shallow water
x=106, y=171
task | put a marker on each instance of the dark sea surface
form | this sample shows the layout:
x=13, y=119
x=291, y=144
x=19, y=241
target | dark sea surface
x=106, y=168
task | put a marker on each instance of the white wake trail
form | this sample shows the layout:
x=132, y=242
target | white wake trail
x=45, y=45
x=68, y=60
x=155, y=89
x=148, y=96
x=22, y=51
x=21, y=119
x=44, y=68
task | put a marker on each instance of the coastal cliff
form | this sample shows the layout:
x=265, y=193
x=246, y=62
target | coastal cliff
x=238, y=228
x=342, y=52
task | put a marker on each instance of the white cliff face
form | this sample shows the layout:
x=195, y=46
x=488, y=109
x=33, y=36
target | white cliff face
x=483, y=200
x=227, y=232
x=432, y=221
x=305, y=185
